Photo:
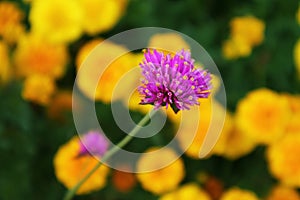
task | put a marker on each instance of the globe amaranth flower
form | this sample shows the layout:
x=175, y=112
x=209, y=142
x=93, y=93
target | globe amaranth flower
x=173, y=80
x=93, y=143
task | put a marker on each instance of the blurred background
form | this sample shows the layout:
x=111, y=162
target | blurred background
x=255, y=45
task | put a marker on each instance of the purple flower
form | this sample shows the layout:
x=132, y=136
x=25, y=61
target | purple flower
x=173, y=80
x=93, y=142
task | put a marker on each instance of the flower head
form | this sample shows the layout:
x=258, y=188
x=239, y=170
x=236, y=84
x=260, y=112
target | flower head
x=93, y=142
x=71, y=168
x=173, y=80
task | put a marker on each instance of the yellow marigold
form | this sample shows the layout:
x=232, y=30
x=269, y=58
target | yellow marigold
x=118, y=66
x=283, y=193
x=188, y=191
x=39, y=89
x=10, y=18
x=70, y=169
x=203, y=126
x=61, y=103
x=238, y=194
x=248, y=27
x=161, y=41
x=164, y=179
x=101, y=15
x=35, y=56
x=263, y=115
x=234, y=143
x=283, y=160
x=293, y=126
x=56, y=21
x=297, y=56
x=236, y=47
x=5, y=66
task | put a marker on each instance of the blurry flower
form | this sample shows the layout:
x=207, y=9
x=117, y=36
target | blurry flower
x=235, y=48
x=204, y=124
x=188, y=191
x=283, y=160
x=101, y=15
x=35, y=56
x=39, y=89
x=161, y=42
x=10, y=21
x=238, y=194
x=85, y=50
x=245, y=33
x=61, y=103
x=13, y=33
x=164, y=179
x=71, y=168
x=234, y=143
x=214, y=187
x=248, y=27
x=94, y=143
x=114, y=67
x=173, y=81
x=293, y=126
x=263, y=115
x=297, y=56
x=55, y=20
x=123, y=181
x=283, y=193
x=5, y=66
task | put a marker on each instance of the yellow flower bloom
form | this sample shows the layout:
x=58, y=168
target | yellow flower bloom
x=283, y=160
x=297, y=56
x=10, y=21
x=236, y=47
x=238, y=194
x=203, y=125
x=56, y=21
x=38, y=89
x=35, y=56
x=161, y=41
x=234, y=143
x=112, y=72
x=293, y=126
x=5, y=66
x=263, y=115
x=164, y=179
x=248, y=27
x=188, y=191
x=283, y=193
x=70, y=169
x=100, y=15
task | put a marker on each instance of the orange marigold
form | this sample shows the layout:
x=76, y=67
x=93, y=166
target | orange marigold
x=10, y=21
x=115, y=66
x=283, y=160
x=164, y=179
x=281, y=192
x=263, y=115
x=188, y=191
x=39, y=89
x=238, y=194
x=70, y=169
x=35, y=56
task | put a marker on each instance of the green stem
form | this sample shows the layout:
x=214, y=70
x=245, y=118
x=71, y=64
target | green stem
x=70, y=194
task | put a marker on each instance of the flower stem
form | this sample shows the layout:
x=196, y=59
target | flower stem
x=70, y=193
